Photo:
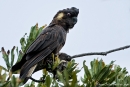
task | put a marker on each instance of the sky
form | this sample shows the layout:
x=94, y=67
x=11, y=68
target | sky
x=102, y=25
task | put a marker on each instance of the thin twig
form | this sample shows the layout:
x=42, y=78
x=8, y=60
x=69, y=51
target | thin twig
x=100, y=53
x=37, y=80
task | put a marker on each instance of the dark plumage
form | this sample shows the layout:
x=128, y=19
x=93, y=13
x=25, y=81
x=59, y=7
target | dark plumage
x=51, y=40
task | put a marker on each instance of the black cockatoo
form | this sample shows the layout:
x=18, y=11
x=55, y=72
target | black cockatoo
x=50, y=40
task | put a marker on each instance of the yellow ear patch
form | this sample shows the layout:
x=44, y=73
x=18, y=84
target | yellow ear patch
x=60, y=15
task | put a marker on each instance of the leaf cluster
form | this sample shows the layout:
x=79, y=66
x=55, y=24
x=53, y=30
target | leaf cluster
x=98, y=75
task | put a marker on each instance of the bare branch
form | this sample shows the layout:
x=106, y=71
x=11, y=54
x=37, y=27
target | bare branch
x=100, y=53
x=37, y=80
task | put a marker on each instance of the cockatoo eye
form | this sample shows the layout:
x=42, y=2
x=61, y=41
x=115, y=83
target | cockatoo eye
x=68, y=14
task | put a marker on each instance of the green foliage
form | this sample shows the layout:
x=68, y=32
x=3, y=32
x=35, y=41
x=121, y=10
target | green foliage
x=98, y=75
x=104, y=75
x=26, y=42
x=9, y=57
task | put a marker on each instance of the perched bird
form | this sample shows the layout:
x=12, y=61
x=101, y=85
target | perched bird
x=50, y=40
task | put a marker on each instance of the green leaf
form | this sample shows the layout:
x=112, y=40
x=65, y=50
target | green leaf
x=17, y=50
x=48, y=81
x=41, y=29
x=66, y=77
x=104, y=72
x=74, y=79
x=60, y=76
x=87, y=71
x=4, y=84
x=12, y=56
x=32, y=84
x=26, y=85
x=35, y=31
x=20, y=56
x=13, y=81
x=5, y=57
x=4, y=77
x=3, y=68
